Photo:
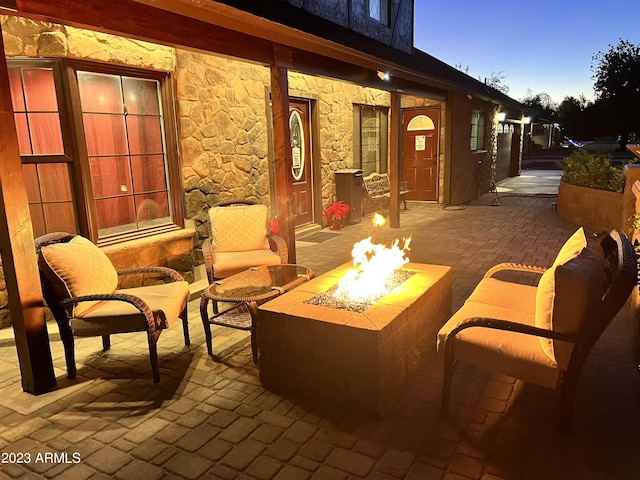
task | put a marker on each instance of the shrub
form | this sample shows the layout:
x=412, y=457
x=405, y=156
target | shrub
x=593, y=170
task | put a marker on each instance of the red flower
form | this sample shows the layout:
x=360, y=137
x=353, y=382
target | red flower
x=273, y=226
x=337, y=210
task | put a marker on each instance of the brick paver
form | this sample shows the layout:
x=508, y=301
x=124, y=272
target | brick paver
x=214, y=420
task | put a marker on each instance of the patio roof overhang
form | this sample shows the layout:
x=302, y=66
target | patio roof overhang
x=188, y=24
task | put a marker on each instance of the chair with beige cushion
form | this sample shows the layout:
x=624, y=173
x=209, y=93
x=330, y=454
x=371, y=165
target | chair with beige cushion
x=239, y=240
x=543, y=334
x=80, y=286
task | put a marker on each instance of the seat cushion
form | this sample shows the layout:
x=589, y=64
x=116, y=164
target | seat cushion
x=514, y=354
x=568, y=291
x=230, y=263
x=77, y=268
x=239, y=228
x=165, y=300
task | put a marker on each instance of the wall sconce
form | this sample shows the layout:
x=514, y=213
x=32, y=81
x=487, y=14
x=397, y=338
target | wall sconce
x=384, y=76
x=502, y=116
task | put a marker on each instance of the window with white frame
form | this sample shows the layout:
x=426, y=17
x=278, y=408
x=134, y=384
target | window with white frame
x=477, y=130
x=98, y=148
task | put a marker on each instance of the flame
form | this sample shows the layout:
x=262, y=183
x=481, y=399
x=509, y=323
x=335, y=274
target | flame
x=373, y=263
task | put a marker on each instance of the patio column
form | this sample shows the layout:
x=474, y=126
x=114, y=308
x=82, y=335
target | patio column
x=18, y=254
x=282, y=157
x=394, y=160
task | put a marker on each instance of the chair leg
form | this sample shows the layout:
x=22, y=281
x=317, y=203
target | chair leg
x=449, y=369
x=106, y=342
x=68, y=342
x=153, y=355
x=568, y=391
x=185, y=326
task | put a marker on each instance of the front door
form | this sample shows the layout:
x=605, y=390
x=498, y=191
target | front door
x=420, y=153
x=301, y=166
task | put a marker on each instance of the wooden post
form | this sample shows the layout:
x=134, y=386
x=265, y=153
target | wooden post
x=394, y=160
x=19, y=255
x=282, y=157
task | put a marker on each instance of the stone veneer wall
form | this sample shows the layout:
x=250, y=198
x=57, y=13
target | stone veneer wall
x=224, y=134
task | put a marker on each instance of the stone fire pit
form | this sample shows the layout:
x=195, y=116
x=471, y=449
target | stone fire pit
x=353, y=359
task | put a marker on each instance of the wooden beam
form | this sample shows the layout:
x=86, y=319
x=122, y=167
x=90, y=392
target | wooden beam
x=282, y=157
x=19, y=254
x=10, y=4
x=143, y=22
x=395, y=120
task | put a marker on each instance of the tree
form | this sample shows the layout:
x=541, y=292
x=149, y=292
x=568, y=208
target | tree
x=541, y=106
x=617, y=86
x=496, y=80
x=572, y=116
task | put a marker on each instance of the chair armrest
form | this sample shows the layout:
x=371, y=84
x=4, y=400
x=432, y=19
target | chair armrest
x=209, y=259
x=498, y=324
x=514, y=267
x=278, y=245
x=154, y=324
x=169, y=272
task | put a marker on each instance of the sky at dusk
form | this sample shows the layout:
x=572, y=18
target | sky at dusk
x=545, y=46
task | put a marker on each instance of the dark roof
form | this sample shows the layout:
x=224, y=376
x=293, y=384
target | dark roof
x=436, y=72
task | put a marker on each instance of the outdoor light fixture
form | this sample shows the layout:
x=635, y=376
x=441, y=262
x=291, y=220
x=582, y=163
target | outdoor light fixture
x=527, y=120
x=502, y=116
x=383, y=76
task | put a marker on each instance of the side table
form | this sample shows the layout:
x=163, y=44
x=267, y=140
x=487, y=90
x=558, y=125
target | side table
x=247, y=290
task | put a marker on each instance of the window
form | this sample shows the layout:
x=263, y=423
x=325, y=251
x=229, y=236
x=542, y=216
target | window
x=477, y=130
x=104, y=163
x=379, y=10
x=45, y=164
x=370, y=139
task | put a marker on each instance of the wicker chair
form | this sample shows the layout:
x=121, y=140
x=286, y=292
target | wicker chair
x=80, y=287
x=239, y=240
x=544, y=334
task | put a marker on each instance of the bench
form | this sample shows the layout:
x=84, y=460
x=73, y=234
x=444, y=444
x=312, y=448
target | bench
x=378, y=188
x=542, y=334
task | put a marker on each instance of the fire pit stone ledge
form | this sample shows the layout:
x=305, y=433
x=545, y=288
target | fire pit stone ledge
x=359, y=360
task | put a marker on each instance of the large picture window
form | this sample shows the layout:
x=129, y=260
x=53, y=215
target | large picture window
x=104, y=162
x=370, y=139
x=477, y=130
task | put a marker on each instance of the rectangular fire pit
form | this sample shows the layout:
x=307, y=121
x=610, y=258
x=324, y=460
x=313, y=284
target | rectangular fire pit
x=353, y=359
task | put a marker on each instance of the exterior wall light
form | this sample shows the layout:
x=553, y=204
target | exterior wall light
x=527, y=120
x=502, y=116
x=383, y=76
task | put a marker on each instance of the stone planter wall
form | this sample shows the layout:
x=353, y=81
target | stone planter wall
x=590, y=208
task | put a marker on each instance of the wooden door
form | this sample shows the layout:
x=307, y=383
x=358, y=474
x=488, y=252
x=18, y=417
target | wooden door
x=301, y=166
x=420, y=153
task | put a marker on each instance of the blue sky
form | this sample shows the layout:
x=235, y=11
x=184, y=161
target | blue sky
x=545, y=46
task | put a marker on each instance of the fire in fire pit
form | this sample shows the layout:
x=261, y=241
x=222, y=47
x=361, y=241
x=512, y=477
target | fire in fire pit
x=377, y=270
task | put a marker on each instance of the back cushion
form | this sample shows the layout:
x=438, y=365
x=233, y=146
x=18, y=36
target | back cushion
x=567, y=291
x=239, y=228
x=77, y=268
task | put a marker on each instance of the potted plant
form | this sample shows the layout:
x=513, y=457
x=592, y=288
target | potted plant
x=336, y=214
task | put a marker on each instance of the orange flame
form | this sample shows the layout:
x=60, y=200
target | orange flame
x=373, y=263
